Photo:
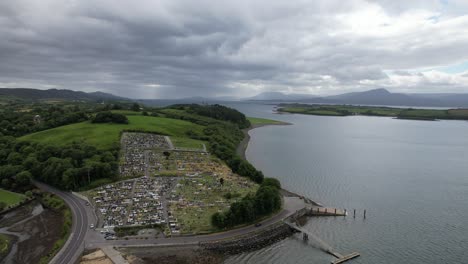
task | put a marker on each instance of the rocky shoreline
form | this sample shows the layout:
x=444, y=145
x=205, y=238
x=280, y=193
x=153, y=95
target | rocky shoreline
x=256, y=241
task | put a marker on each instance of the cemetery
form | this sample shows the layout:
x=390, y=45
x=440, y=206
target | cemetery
x=178, y=190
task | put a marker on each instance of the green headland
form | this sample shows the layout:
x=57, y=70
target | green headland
x=400, y=113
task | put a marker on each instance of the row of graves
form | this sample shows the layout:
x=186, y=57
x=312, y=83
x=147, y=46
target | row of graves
x=138, y=152
x=191, y=163
x=112, y=202
x=136, y=202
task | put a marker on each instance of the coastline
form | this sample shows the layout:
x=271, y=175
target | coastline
x=242, y=147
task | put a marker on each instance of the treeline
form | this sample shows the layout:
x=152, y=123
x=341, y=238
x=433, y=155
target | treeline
x=68, y=167
x=20, y=119
x=223, y=142
x=109, y=117
x=266, y=200
x=216, y=111
x=24, y=119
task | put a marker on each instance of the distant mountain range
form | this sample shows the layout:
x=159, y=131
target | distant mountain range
x=372, y=97
x=62, y=94
x=280, y=96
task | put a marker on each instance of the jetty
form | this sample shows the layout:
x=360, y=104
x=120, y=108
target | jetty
x=323, y=245
x=327, y=211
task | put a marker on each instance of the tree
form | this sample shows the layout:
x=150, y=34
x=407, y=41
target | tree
x=109, y=117
x=271, y=182
x=23, y=178
x=14, y=158
x=218, y=220
x=135, y=107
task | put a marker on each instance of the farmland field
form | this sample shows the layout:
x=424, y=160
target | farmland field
x=105, y=136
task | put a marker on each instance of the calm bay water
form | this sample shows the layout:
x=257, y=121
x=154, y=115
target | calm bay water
x=411, y=176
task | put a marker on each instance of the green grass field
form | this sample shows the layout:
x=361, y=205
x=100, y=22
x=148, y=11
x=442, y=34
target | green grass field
x=104, y=136
x=184, y=142
x=10, y=198
x=263, y=121
x=4, y=242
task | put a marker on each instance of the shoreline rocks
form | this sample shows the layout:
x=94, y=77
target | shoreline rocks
x=262, y=239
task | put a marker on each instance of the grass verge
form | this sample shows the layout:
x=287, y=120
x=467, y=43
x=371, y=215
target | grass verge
x=11, y=198
x=55, y=203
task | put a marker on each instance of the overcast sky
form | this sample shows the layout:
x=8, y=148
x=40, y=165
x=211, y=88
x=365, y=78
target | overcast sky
x=167, y=49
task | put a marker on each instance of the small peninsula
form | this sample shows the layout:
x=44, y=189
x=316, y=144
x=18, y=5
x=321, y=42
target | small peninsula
x=351, y=110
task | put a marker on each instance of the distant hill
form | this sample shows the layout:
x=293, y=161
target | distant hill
x=62, y=94
x=278, y=96
x=375, y=97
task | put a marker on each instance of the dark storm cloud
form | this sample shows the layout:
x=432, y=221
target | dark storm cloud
x=206, y=48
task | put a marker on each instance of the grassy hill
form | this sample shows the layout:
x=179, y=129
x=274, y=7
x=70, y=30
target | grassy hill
x=104, y=136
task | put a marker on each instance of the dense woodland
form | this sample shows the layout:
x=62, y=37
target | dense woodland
x=69, y=167
x=216, y=111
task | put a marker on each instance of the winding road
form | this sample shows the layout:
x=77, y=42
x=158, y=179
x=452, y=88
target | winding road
x=72, y=249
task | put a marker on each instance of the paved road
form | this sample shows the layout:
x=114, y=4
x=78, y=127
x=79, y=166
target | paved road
x=75, y=244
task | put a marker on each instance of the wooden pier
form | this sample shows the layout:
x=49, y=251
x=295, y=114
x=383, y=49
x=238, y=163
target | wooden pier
x=323, y=245
x=346, y=258
x=327, y=211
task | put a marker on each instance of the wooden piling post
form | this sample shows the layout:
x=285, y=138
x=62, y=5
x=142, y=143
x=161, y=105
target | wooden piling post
x=335, y=211
x=344, y=212
x=354, y=214
x=325, y=210
x=364, y=214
